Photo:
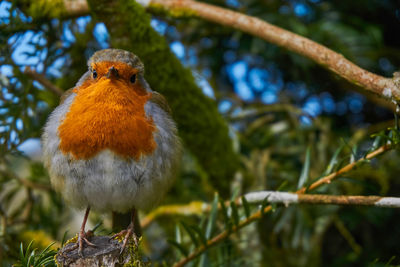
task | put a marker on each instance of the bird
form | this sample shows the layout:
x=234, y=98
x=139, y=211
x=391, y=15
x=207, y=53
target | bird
x=111, y=144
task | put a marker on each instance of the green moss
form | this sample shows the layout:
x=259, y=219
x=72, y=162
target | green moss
x=201, y=127
x=175, y=12
x=132, y=251
x=71, y=240
x=43, y=8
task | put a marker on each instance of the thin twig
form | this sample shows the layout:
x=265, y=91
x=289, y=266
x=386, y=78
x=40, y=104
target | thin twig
x=259, y=110
x=195, y=207
x=25, y=182
x=328, y=179
x=32, y=185
x=347, y=235
x=43, y=81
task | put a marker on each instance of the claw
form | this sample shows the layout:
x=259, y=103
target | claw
x=131, y=231
x=120, y=234
x=89, y=243
x=82, y=237
x=126, y=233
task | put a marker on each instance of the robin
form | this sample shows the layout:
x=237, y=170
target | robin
x=111, y=144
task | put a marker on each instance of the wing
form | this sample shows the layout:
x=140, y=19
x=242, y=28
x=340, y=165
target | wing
x=160, y=100
x=82, y=80
x=66, y=95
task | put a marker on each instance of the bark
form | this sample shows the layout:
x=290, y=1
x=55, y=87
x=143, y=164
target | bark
x=106, y=253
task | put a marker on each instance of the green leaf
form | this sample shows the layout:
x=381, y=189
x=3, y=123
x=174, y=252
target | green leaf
x=376, y=142
x=333, y=161
x=64, y=238
x=191, y=234
x=178, y=235
x=246, y=206
x=200, y=233
x=21, y=254
x=213, y=216
x=204, y=260
x=46, y=255
x=31, y=259
x=180, y=247
x=225, y=214
x=390, y=261
x=96, y=226
x=264, y=203
x=235, y=193
x=235, y=213
x=353, y=154
x=282, y=186
x=306, y=169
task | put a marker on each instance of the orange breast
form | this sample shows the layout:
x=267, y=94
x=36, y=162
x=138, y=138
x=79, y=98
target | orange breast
x=107, y=114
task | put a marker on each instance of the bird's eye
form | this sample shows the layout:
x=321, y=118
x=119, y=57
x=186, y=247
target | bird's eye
x=133, y=78
x=94, y=74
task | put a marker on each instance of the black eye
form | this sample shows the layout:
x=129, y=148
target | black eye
x=133, y=78
x=94, y=74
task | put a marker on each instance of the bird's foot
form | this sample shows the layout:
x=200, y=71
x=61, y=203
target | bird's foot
x=82, y=238
x=126, y=234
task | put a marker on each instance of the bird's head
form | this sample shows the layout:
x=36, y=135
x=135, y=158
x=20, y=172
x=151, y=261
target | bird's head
x=116, y=68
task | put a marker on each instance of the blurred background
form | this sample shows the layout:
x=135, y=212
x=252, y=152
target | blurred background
x=271, y=107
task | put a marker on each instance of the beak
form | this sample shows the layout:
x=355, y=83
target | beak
x=112, y=73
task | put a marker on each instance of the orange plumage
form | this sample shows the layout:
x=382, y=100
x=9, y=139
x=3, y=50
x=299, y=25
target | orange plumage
x=108, y=114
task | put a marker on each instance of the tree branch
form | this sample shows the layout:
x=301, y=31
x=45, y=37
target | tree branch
x=293, y=198
x=43, y=81
x=76, y=8
x=286, y=198
x=257, y=215
x=322, y=55
x=25, y=182
x=388, y=88
x=197, y=207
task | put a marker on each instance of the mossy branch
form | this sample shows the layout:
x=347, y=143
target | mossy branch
x=388, y=88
